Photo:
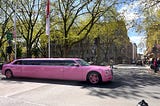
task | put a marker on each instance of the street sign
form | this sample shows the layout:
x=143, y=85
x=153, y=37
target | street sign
x=9, y=36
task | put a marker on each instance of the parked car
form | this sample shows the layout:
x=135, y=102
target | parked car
x=139, y=62
x=133, y=62
x=58, y=68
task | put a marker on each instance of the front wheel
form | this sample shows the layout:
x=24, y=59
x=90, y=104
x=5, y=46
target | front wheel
x=8, y=74
x=94, y=78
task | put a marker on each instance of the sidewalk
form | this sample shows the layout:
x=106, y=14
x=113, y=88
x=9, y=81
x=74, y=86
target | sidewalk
x=131, y=66
x=150, y=71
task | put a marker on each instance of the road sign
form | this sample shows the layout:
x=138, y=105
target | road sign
x=9, y=36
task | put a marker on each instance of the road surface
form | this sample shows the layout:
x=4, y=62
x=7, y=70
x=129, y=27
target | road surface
x=131, y=84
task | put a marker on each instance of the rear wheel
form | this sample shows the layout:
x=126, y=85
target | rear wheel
x=94, y=78
x=8, y=74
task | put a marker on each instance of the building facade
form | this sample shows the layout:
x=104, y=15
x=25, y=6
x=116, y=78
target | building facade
x=99, y=53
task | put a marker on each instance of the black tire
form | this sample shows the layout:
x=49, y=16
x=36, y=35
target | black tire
x=8, y=74
x=94, y=78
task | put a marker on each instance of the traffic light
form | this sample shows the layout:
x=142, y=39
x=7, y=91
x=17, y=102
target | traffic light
x=9, y=36
x=9, y=49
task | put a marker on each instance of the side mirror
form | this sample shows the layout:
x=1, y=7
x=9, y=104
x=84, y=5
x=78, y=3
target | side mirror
x=77, y=65
x=90, y=62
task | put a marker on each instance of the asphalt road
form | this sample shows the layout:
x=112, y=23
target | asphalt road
x=131, y=84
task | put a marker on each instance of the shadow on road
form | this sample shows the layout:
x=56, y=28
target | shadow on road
x=129, y=84
x=83, y=84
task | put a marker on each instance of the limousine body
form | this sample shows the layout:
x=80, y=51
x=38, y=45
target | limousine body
x=58, y=68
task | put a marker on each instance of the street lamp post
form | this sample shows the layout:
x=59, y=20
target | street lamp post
x=15, y=29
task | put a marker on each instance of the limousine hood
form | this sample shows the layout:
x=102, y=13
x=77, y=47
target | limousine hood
x=100, y=67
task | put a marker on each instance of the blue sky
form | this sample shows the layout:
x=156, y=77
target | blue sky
x=131, y=12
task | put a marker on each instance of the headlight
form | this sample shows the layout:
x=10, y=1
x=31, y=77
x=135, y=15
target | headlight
x=107, y=71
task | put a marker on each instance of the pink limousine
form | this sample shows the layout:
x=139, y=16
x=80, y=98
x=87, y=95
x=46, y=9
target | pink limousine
x=58, y=68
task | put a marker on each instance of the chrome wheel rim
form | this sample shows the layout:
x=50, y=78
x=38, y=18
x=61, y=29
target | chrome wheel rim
x=94, y=78
x=8, y=74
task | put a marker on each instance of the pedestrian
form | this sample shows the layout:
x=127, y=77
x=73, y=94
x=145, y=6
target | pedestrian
x=111, y=63
x=158, y=62
x=155, y=65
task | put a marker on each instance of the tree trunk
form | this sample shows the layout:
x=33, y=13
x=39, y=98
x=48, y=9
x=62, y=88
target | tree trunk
x=66, y=50
x=29, y=51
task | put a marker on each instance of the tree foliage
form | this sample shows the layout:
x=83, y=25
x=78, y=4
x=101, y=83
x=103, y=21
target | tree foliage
x=29, y=22
x=152, y=23
x=72, y=21
x=5, y=24
x=77, y=18
x=146, y=18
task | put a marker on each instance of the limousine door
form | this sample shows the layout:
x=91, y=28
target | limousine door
x=53, y=72
x=30, y=68
x=17, y=68
x=31, y=71
x=73, y=73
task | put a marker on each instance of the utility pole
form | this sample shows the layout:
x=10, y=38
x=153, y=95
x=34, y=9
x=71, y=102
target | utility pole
x=133, y=52
x=15, y=29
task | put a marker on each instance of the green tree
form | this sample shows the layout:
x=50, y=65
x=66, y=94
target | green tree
x=148, y=20
x=30, y=22
x=76, y=19
x=110, y=33
x=152, y=27
x=6, y=24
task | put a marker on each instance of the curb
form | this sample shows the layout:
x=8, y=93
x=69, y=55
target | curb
x=150, y=71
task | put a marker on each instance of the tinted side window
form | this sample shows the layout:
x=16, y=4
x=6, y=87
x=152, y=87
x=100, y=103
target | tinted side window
x=46, y=62
x=31, y=62
x=49, y=62
x=69, y=63
x=58, y=62
x=18, y=62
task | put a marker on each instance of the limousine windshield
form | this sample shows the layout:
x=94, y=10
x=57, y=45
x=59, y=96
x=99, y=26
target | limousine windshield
x=83, y=63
